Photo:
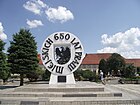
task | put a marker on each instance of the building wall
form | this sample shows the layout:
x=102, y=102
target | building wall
x=93, y=68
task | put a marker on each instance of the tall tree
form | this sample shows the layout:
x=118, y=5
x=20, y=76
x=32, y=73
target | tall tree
x=4, y=71
x=22, y=55
x=103, y=66
x=116, y=62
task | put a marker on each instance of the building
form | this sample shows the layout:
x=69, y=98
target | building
x=40, y=62
x=91, y=61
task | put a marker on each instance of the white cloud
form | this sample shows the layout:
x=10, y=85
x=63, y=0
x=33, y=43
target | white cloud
x=126, y=43
x=61, y=14
x=3, y=36
x=41, y=3
x=108, y=50
x=34, y=23
x=35, y=6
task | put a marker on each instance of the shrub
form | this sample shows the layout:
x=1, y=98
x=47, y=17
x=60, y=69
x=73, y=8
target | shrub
x=33, y=76
x=46, y=75
x=88, y=75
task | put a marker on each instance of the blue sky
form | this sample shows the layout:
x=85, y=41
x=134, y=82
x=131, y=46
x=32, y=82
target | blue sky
x=103, y=26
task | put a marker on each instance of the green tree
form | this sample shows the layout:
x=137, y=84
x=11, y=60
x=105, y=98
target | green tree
x=115, y=62
x=129, y=71
x=22, y=55
x=138, y=70
x=4, y=70
x=103, y=66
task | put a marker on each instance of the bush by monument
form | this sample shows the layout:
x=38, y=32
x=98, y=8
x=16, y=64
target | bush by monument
x=86, y=75
x=46, y=75
x=78, y=75
x=35, y=75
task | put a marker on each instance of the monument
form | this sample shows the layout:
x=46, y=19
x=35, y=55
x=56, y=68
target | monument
x=62, y=54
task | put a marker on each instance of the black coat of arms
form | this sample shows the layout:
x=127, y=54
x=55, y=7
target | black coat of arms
x=62, y=54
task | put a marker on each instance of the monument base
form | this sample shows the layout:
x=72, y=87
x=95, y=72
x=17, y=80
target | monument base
x=62, y=79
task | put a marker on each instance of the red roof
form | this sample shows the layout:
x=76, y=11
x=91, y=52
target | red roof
x=39, y=58
x=95, y=58
x=136, y=62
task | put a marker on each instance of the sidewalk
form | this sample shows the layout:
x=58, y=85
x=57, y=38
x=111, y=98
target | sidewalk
x=37, y=92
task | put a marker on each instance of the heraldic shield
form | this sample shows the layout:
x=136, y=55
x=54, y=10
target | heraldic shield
x=62, y=54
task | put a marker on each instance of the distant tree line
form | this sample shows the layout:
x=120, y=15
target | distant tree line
x=115, y=65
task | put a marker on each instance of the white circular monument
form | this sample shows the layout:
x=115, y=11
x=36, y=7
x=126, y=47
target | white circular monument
x=62, y=54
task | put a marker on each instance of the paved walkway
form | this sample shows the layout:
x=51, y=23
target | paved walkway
x=129, y=92
x=132, y=89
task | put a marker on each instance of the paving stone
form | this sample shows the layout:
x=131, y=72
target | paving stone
x=86, y=89
x=42, y=103
x=10, y=102
x=80, y=95
x=29, y=103
x=117, y=94
x=60, y=94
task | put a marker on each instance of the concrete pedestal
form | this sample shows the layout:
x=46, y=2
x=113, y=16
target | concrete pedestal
x=62, y=79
